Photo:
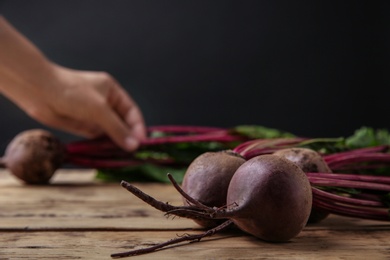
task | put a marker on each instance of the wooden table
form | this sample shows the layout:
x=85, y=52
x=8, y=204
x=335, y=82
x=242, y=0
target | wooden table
x=77, y=217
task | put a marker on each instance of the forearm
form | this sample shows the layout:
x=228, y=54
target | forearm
x=22, y=66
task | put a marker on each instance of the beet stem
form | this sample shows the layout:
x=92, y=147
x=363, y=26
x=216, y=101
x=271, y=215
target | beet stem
x=352, y=177
x=204, y=214
x=105, y=144
x=357, y=167
x=316, y=181
x=345, y=210
x=208, y=137
x=91, y=145
x=257, y=147
x=191, y=212
x=183, y=129
x=164, y=207
x=358, y=158
x=342, y=199
x=190, y=199
x=186, y=237
x=112, y=163
x=103, y=163
x=374, y=149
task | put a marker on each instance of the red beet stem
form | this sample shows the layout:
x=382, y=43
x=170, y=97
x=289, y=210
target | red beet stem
x=358, y=157
x=184, y=129
x=189, y=199
x=103, y=164
x=374, y=149
x=331, y=197
x=92, y=145
x=346, y=159
x=105, y=144
x=192, y=212
x=328, y=182
x=208, y=137
x=358, y=167
x=257, y=147
x=96, y=153
x=115, y=163
x=351, y=177
x=349, y=211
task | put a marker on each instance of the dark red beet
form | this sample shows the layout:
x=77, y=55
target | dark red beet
x=34, y=155
x=269, y=197
x=309, y=161
x=207, y=180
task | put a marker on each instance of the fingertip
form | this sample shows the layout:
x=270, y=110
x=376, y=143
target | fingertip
x=131, y=143
x=135, y=121
x=139, y=131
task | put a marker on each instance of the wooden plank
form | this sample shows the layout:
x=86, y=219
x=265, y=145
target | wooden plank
x=88, y=204
x=316, y=244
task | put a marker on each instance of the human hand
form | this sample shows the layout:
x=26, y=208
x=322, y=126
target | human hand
x=81, y=102
x=87, y=103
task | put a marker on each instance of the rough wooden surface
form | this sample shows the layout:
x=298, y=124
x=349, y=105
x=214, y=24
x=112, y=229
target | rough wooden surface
x=78, y=218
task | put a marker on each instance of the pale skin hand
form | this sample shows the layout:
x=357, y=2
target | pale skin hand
x=84, y=103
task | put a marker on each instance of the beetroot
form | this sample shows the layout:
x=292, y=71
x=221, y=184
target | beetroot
x=34, y=155
x=207, y=179
x=309, y=161
x=270, y=198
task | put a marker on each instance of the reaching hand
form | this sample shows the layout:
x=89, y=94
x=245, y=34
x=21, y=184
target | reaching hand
x=81, y=102
x=88, y=104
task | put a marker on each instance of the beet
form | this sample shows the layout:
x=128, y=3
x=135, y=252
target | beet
x=207, y=180
x=309, y=161
x=34, y=155
x=269, y=197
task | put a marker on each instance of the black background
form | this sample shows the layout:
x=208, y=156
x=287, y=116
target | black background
x=314, y=68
